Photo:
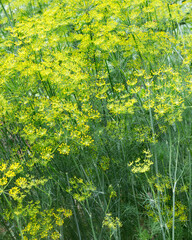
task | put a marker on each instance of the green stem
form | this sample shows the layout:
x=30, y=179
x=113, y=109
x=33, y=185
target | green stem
x=135, y=200
x=6, y=14
x=16, y=217
x=174, y=187
x=157, y=174
x=75, y=216
x=190, y=192
x=91, y=221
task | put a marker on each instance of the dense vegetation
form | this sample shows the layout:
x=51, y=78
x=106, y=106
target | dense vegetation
x=95, y=119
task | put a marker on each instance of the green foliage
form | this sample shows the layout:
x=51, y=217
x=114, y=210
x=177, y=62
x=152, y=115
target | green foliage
x=95, y=119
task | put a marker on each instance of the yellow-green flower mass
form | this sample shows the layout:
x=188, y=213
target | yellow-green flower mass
x=95, y=119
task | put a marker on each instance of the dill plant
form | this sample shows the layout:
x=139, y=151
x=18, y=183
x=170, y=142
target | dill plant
x=95, y=121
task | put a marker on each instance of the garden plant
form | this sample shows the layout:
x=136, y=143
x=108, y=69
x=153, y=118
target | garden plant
x=96, y=119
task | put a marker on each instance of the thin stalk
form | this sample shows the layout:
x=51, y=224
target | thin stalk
x=102, y=205
x=190, y=193
x=11, y=13
x=124, y=79
x=48, y=94
x=75, y=216
x=157, y=174
x=170, y=159
x=135, y=200
x=119, y=211
x=91, y=221
x=170, y=15
x=109, y=76
x=6, y=14
x=156, y=204
x=16, y=217
x=101, y=185
x=174, y=187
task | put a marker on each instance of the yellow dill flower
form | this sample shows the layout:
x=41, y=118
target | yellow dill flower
x=3, y=181
x=86, y=141
x=59, y=221
x=55, y=235
x=149, y=104
x=132, y=82
x=13, y=192
x=44, y=234
x=15, y=166
x=142, y=166
x=79, y=197
x=41, y=132
x=119, y=87
x=80, y=190
x=112, y=192
x=47, y=154
x=93, y=114
x=21, y=182
x=66, y=212
x=3, y=166
x=64, y=149
x=110, y=222
x=10, y=174
x=150, y=24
